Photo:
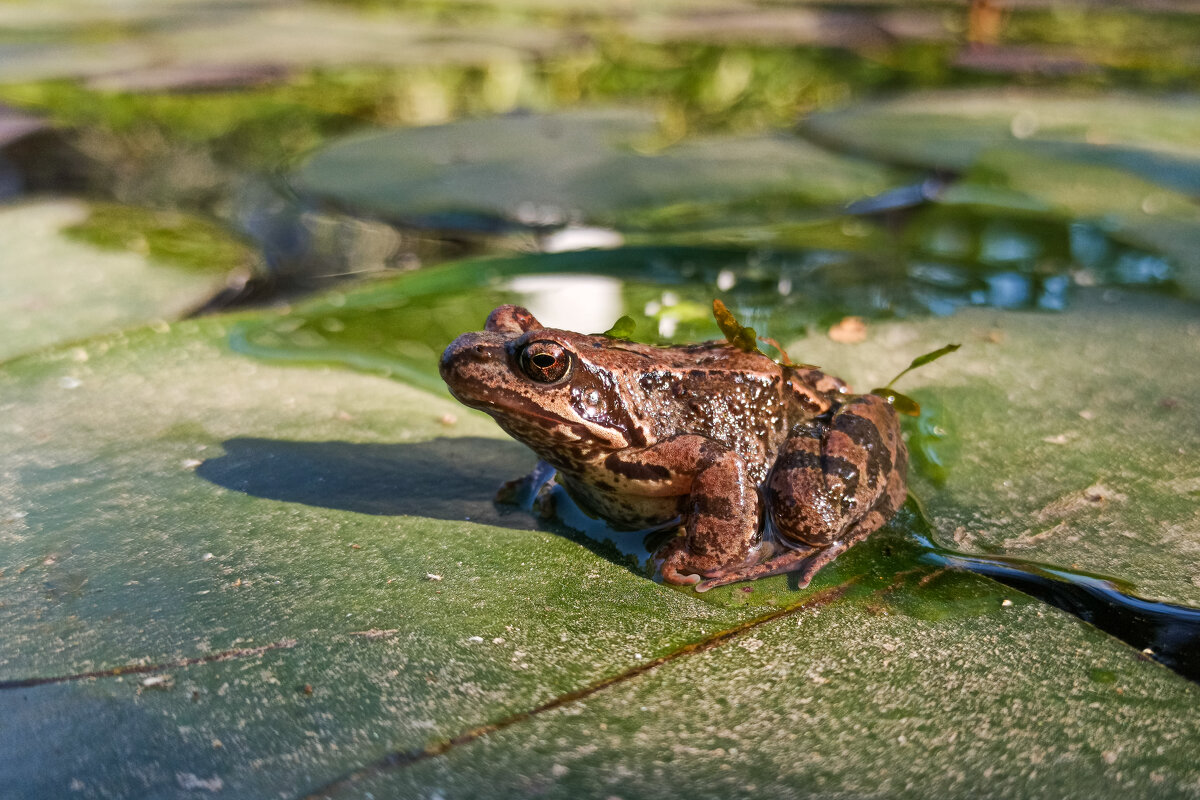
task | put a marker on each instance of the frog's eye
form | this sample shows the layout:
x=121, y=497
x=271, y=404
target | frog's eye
x=545, y=362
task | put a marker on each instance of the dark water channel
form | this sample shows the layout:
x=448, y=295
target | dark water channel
x=1170, y=634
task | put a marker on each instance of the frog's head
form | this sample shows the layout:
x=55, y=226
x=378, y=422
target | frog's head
x=552, y=389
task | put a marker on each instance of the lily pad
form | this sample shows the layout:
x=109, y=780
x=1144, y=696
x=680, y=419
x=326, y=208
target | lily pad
x=171, y=500
x=226, y=574
x=1126, y=169
x=1151, y=137
x=1017, y=386
x=187, y=38
x=1125, y=208
x=583, y=166
x=55, y=288
x=856, y=699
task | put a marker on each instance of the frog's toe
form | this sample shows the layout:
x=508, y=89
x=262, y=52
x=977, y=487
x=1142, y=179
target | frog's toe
x=720, y=580
x=671, y=568
x=672, y=575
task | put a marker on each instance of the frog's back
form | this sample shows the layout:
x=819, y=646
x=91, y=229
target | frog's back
x=745, y=401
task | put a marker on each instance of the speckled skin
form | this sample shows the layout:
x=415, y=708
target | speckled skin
x=768, y=468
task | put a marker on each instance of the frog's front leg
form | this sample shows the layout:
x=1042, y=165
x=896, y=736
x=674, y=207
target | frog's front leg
x=523, y=492
x=832, y=485
x=719, y=503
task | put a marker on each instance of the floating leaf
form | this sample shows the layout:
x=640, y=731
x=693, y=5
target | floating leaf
x=480, y=174
x=622, y=328
x=901, y=402
x=920, y=361
x=57, y=287
x=736, y=334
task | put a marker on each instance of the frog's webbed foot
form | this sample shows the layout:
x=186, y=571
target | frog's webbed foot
x=804, y=562
x=528, y=492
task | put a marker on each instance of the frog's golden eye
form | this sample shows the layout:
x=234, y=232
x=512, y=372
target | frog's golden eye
x=545, y=362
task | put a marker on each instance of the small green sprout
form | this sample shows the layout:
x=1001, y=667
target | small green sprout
x=736, y=334
x=901, y=402
x=622, y=328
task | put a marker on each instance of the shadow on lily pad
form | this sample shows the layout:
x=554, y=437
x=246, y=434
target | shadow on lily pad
x=444, y=478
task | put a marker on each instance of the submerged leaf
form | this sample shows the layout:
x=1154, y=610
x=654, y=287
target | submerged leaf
x=921, y=361
x=901, y=402
x=622, y=328
x=736, y=334
x=932, y=443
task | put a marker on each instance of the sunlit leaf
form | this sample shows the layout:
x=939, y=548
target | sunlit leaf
x=921, y=361
x=784, y=359
x=736, y=334
x=622, y=328
x=901, y=402
x=932, y=442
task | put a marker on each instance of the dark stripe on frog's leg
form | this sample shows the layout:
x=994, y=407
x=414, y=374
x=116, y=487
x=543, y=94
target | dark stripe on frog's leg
x=873, y=432
x=712, y=505
x=825, y=464
x=820, y=489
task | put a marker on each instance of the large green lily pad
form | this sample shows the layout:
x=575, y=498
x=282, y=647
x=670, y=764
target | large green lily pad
x=860, y=699
x=1016, y=391
x=582, y=166
x=288, y=577
x=56, y=286
x=169, y=500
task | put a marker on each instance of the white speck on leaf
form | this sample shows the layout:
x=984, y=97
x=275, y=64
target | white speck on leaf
x=190, y=782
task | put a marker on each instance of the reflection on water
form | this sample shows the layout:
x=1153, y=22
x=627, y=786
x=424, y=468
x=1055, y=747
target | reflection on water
x=556, y=300
x=398, y=327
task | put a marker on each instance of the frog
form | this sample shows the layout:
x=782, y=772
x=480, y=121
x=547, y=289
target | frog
x=758, y=467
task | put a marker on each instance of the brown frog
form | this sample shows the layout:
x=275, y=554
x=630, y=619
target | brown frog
x=766, y=468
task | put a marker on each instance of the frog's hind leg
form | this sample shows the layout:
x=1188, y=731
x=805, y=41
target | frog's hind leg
x=834, y=483
x=804, y=561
